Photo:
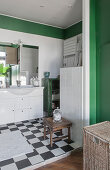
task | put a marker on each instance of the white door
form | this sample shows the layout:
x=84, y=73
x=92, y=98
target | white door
x=7, y=109
x=21, y=114
x=36, y=110
x=22, y=108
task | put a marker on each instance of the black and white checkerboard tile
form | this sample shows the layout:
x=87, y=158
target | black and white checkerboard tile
x=33, y=132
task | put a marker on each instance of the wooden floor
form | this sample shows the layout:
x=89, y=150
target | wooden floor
x=72, y=162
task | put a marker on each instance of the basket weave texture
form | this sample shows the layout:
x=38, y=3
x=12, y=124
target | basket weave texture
x=96, y=147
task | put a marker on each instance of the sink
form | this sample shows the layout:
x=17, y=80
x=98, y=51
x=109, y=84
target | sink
x=22, y=86
x=22, y=90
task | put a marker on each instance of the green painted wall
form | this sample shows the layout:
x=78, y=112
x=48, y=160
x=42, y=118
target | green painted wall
x=30, y=27
x=73, y=30
x=14, y=24
x=103, y=59
x=92, y=63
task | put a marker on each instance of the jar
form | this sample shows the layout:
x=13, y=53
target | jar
x=36, y=82
x=57, y=115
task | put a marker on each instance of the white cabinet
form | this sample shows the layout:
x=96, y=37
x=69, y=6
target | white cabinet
x=14, y=108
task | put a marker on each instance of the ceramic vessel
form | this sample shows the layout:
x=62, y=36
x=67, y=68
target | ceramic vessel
x=46, y=74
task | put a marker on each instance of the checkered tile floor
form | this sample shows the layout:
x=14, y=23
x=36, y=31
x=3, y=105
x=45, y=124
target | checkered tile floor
x=33, y=132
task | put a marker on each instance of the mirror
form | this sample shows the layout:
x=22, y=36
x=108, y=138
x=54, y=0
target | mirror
x=28, y=63
x=8, y=58
x=18, y=62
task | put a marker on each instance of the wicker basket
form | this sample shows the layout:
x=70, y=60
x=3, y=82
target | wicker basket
x=96, y=147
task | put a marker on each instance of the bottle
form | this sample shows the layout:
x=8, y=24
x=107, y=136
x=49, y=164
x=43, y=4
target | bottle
x=31, y=81
x=7, y=82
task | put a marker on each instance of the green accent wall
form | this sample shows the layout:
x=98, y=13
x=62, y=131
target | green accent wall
x=103, y=59
x=14, y=24
x=73, y=30
x=92, y=63
x=99, y=61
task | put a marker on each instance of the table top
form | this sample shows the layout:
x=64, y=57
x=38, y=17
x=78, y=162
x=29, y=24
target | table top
x=63, y=124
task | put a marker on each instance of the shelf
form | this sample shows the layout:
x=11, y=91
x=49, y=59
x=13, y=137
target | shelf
x=51, y=94
x=57, y=100
x=56, y=91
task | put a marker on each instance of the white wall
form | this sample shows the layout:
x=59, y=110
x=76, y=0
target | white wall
x=50, y=49
x=71, y=100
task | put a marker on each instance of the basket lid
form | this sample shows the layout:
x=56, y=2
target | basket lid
x=101, y=130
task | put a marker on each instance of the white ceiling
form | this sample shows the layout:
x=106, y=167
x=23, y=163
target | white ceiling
x=60, y=13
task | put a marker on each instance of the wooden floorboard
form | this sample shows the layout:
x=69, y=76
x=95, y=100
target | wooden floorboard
x=72, y=162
